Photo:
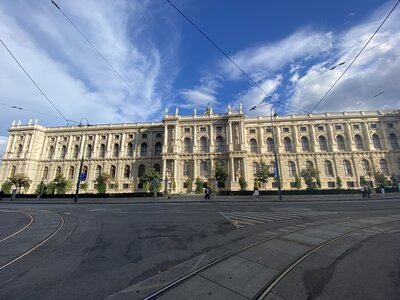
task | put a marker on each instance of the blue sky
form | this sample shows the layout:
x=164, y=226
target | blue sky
x=288, y=47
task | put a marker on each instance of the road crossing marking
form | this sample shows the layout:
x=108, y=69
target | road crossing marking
x=242, y=219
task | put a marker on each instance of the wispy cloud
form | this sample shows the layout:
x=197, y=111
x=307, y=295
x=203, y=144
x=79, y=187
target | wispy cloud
x=201, y=95
x=69, y=70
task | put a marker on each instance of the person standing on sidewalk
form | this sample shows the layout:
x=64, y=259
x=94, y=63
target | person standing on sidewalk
x=362, y=189
x=207, y=193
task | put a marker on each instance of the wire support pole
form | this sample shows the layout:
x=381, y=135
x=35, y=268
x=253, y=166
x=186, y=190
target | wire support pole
x=78, y=183
x=278, y=177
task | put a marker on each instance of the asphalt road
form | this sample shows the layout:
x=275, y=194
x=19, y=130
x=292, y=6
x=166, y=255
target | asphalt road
x=94, y=250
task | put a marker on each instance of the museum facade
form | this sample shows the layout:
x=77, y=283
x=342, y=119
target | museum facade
x=343, y=144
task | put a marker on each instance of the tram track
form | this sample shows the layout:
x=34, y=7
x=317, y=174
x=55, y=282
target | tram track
x=20, y=230
x=265, y=291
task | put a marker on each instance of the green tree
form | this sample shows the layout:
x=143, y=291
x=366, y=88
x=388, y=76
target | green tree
x=263, y=173
x=20, y=181
x=189, y=185
x=363, y=181
x=297, y=182
x=41, y=189
x=256, y=184
x=51, y=188
x=199, y=185
x=318, y=181
x=394, y=180
x=339, y=182
x=62, y=185
x=85, y=186
x=220, y=173
x=242, y=183
x=6, y=187
x=101, y=183
x=381, y=180
x=310, y=177
x=153, y=179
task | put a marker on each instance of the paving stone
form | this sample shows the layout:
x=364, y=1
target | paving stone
x=286, y=246
x=305, y=238
x=241, y=275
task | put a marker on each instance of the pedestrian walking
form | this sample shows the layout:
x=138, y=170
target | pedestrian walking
x=362, y=191
x=1, y=195
x=369, y=192
x=256, y=193
x=207, y=193
x=383, y=191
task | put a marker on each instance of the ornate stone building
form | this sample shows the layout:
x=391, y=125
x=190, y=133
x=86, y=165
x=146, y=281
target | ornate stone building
x=344, y=144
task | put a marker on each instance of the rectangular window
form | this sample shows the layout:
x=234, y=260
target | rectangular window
x=338, y=127
x=131, y=136
x=219, y=129
x=90, y=138
x=303, y=128
x=274, y=184
x=252, y=131
x=77, y=138
x=350, y=184
x=116, y=136
x=144, y=136
x=285, y=129
x=125, y=186
x=158, y=135
x=372, y=125
x=65, y=138
x=203, y=129
x=320, y=128
x=221, y=185
x=185, y=185
x=187, y=129
x=390, y=125
x=268, y=129
x=103, y=137
x=52, y=139
x=331, y=184
x=356, y=126
x=293, y=184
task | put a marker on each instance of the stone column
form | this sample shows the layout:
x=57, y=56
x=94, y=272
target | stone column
x=330, y=137
x=367, y=138
x=348, y=137
x=194, y=139
x=230, y=143
x=195, y=169
x=261, y=139
x=122, y=145
x=211, y=135
x=243, y=139
x=165, y=145
x=295, y=139
x=313, y=142
x=109, y=145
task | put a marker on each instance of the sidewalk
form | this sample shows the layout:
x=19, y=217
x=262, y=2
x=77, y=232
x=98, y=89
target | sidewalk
x=181, y=198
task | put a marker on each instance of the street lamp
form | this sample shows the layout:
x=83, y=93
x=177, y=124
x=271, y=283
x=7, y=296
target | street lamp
x=278, y=178
x=81, y=164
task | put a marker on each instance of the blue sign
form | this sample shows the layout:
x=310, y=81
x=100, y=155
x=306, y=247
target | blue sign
x=82, y=177
x=275, y=171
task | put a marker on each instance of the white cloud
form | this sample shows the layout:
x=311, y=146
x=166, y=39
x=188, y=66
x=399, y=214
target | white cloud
x=70, y=72
x=201, y=95
x=3, y=143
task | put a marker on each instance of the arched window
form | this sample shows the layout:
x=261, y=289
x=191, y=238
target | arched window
x=113, y=171
x=71, y=172
x=340, y=143
x=220, y=144
x=129, y=150
x=287, y=144
x=384, y=167
x=13, y=171
x=102, y=151
x=58, y=171
x=328, y=168
x=116, y=150
x=305, y=144
x=393, y=141
x=347, y=168
x=157, y=168
x=76, y=152
x=63, y=153
x=98, y=171
x=85, y=170
x=143, y=150
x=291, y=168
x=309, y=164
x=323, y=145
x=203, y=144
x=376, y=141
x=186, y=168
x=127, y=171
x=89, y=150
x=157, y=149
x=187, y=147
x=203, y=169
x=270, y=145
x=51, y=152
x=19, y=152
x=253, y=145
x=256, y=167
x=365, y=167
x=45, y=173
x=359, y=142
x=141, y=171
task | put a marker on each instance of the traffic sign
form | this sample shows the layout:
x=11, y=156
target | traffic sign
x=82, y=177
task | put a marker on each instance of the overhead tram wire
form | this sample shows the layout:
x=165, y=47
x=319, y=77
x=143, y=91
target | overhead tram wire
x=342, y=62
x=255, y=83
x=352, y=62
x=29, y=110
x=97, y=50
x=33, y=81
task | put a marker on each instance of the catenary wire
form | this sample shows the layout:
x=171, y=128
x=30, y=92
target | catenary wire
x=33, y=81
x=29, y=110
x=95, y=48
x=354, y=59
x=268, y=96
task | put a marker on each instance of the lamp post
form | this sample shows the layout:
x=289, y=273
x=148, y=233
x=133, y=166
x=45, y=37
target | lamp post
x=278, y=177
x=83, y=157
